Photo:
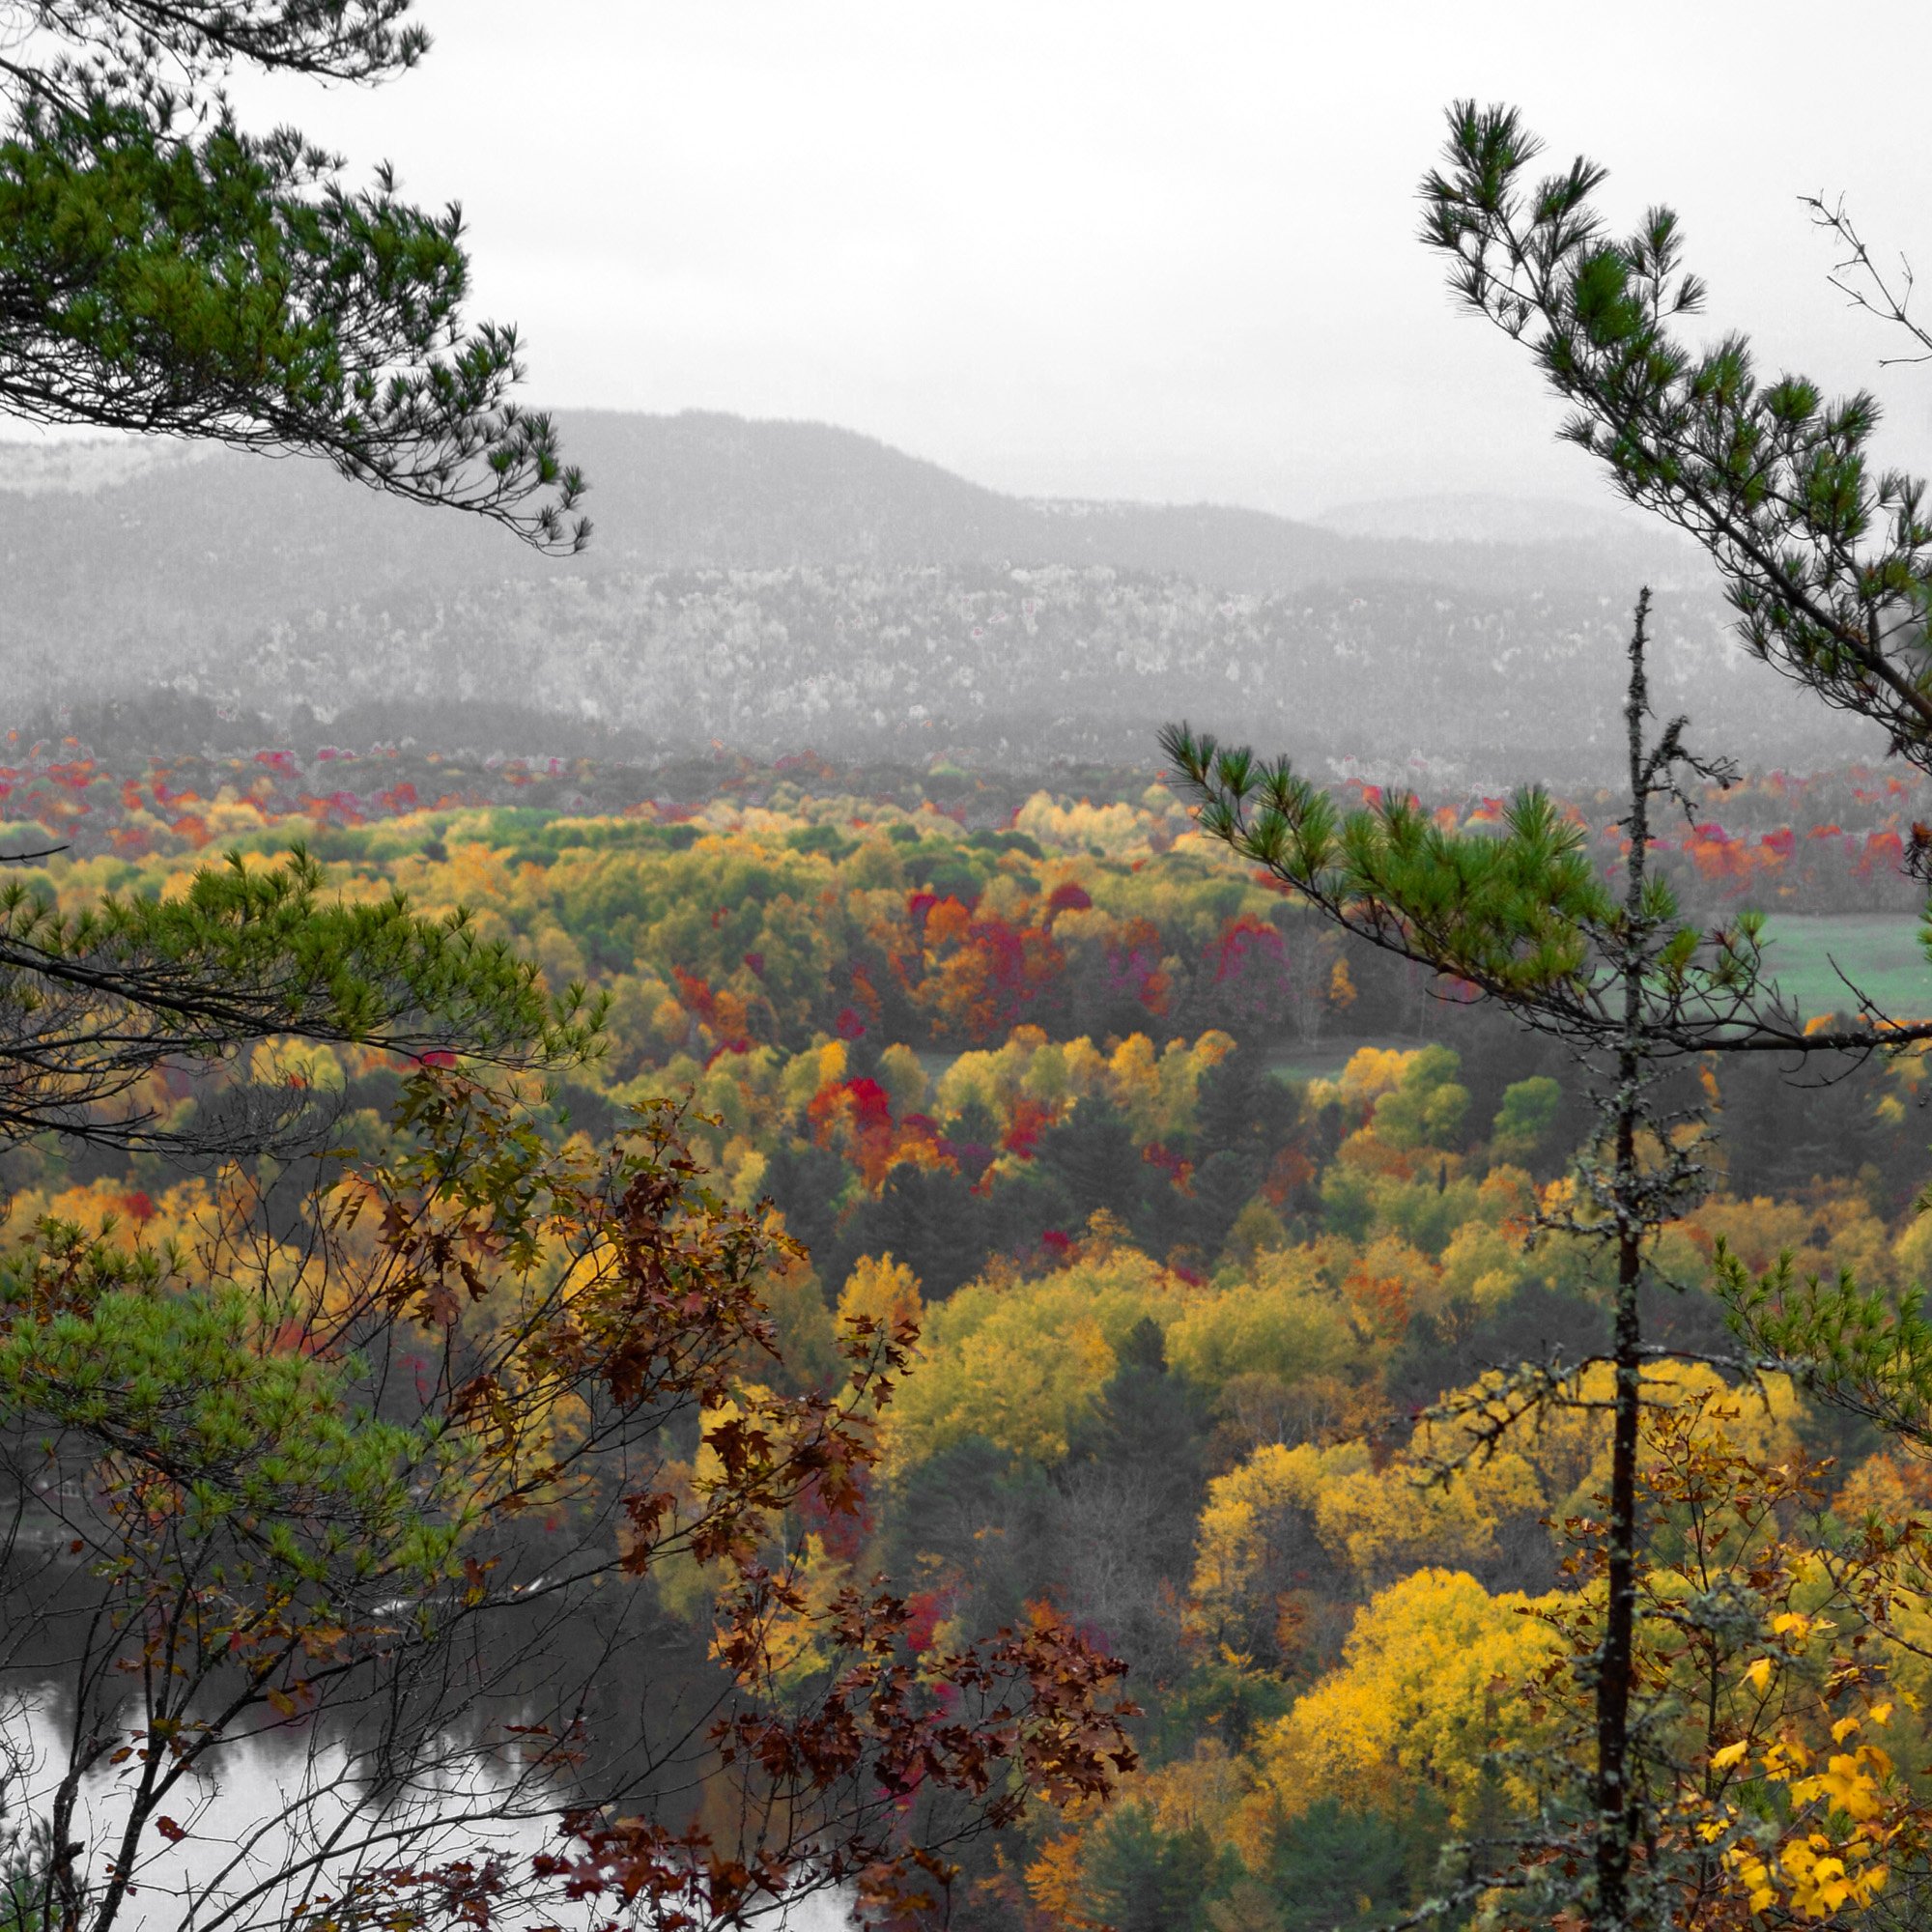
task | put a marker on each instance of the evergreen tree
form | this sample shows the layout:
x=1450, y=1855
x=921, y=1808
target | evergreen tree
x=1454, y=1346
x=1825, y=557
x=1146, y=1880
x=983, y=1517
x=164, y=270
x=1781, y=1134
x=1338, y=1871
x=1126, y=1499
x=1828, y=565
x=929, y=1218
x=92, y=1003
x=1242, y=1107
x=808, y=1184
x=1150, y=1425
x=1241, y=1117
x=974, y=1137
x=1094, y=1155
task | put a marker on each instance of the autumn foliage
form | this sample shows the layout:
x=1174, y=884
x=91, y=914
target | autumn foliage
x=972, y=1266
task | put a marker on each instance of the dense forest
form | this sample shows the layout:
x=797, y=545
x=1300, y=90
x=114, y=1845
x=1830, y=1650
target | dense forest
x=1199, y=1211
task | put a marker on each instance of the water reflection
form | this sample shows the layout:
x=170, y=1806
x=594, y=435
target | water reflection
x=288, y=1820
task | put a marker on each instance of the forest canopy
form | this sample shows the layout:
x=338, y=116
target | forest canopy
x=1196, y=1210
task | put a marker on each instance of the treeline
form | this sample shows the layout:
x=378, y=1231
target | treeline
x=113, y=779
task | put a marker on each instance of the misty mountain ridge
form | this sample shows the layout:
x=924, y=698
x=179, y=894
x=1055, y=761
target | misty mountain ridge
x=1476, y=518
x=770, y=585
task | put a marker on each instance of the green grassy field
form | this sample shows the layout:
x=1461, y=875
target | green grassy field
x=1879, y=953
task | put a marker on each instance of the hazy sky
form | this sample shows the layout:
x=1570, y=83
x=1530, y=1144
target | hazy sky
x=1120, y=248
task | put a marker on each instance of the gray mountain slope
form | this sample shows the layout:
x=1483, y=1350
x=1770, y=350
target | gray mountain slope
x=770, y=585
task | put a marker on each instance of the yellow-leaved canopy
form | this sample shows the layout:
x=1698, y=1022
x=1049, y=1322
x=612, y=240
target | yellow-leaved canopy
x=1288, y=1320
x=882, y=1290
x=1427, y=1694
x=1022, y=1364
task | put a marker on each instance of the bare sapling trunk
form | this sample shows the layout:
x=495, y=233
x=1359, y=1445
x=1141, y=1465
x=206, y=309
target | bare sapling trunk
x=1615, y=1803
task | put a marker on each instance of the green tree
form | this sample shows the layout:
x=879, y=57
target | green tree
x=1825, y=557
x=930, y=1217
x=1148, y=1428
x=1143, y=1879
x=1824, y=554
x=1427, y=1109
x=92, y=1003
x=1094, y=1155
x=1335, y=1870
x=164, y=270
x=1524, y=1119
x=1242, y=1115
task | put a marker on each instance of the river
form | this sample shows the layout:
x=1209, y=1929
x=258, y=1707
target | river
x=281, y=1805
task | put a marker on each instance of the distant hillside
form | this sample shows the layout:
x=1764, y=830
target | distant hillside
x=82, y=524
x=775, y=583
x=1470, y=518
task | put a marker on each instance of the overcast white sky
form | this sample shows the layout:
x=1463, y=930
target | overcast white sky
x=1113, y=248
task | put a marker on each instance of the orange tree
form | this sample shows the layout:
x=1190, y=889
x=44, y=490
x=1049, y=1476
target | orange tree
x=478, y=1507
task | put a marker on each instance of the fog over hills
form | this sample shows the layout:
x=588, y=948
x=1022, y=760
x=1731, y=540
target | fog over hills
x=1477, y=519
x=773, y=584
